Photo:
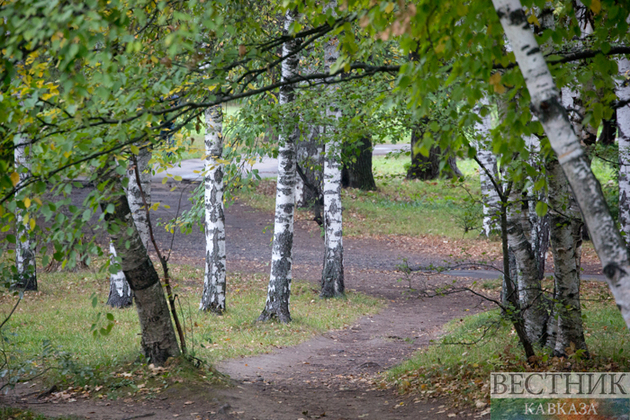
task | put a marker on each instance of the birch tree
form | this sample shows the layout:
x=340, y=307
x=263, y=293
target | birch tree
x=546, y=105
x=565, y=330
x=279, y=289
x=25, y=241
x=158, y=336
x=120, y=295
x=487, y=169
x=527, y=279
x=213, y=297
x=623, y=142
x=332, y=274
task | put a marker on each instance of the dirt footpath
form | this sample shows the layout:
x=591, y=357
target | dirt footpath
x=333, y=376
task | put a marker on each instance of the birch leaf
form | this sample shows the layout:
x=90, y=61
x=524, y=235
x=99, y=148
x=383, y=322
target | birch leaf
x=533, y=20
x=596, y=6
x=15, y=178
x=495, y=81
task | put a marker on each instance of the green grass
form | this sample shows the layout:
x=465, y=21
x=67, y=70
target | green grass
x=61, y=314
x=449, y=208
x=440, y=207
x=461, y=370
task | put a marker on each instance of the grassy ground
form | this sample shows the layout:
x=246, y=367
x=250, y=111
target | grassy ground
x=53, y=327
x=448, y=208
x=399, y=206
x=460, y=364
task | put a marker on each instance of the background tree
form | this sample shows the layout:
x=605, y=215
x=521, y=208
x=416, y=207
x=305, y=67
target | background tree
x=26, y=276
x=279, y=290
x=213, y=297
x=332, y=273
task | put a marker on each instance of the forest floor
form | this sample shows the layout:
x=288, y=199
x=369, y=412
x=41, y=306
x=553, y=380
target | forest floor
x=333, y=376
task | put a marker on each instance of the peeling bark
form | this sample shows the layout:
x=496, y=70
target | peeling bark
x=279, y=289
x=213, y=297
x=25, y=239
x=607, y=241
x=332, y=273
x=158, y=336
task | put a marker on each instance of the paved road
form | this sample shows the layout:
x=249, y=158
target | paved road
x=192, y=169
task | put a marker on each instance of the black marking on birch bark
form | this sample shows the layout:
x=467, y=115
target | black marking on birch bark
x=333, y=284
x=517, y=17
x=549, y=110
x=218, y=176
x=533, y=51
x=614, y=272
x=334, y=209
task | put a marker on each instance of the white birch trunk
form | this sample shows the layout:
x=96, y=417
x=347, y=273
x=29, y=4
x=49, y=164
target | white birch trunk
x=537, y=231
x=528, y=282
x=136, y=203
x=332, y=274
x=158, y=336
x=608, y=243
x=623, y=141
x=279, y=290
x=489, y=195
x=120, y=295
x=25, y=240
x=213, y=297
x=566, y=230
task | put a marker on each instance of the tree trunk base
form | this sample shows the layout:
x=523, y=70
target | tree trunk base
x=26, y=283
x=213, y=308
x=280, y=316
x=116, y=301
